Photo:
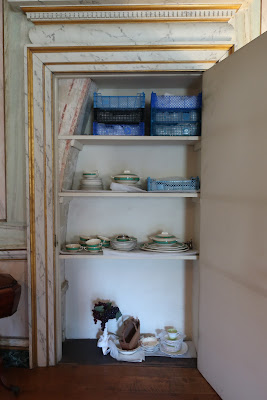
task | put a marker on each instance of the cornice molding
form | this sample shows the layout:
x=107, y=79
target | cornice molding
x=128, y=14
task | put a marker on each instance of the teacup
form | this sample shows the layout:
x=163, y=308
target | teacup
x=104, y=240
x=173, y=333
x=93, y=245
x=84, y=238
x=73, y=246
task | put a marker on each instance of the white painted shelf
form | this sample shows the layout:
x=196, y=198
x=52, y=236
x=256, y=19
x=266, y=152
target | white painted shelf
x=110, y=193
x=94, y=139
x=109, y=254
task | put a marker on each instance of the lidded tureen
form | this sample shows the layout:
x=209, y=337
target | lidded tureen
x=126, y=178
x=164, y=238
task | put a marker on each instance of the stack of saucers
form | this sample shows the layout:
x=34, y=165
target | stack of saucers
x=91, y=181
x=173, y=345
x=123, y=243
x=150, y=344
x=164, y=242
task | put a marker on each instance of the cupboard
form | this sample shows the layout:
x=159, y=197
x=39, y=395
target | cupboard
x=232, y=274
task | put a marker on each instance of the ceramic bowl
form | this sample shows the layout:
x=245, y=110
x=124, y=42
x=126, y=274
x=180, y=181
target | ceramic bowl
x=90, y=174
x=91, y=243
x=164, y=238
x=124, y=246
x=149, y=342
x=126, y=178
x=73, y=247
x=84, y=238
x=122, y=238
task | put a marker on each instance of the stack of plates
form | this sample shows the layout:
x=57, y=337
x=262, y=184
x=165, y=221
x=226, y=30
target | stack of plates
x=172, y=248
x=123, y=243
x=91, y=183
x=164, y=243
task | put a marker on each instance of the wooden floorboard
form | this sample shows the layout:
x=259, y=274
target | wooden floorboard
x=109, y=382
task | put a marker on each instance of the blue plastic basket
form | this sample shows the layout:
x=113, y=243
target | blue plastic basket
x=182, y=129
x=175, y=116
x=119, y=102
x=169, y=102
x=157, y=185
x=119, y=130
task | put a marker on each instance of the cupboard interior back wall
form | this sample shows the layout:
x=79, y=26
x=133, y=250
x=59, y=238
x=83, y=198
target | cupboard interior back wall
x=159, y=292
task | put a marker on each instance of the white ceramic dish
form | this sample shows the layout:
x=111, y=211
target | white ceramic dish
x=73, y=247
x=128, y=352
x=90, y=174
x=164, y=349
x=126, y=178
x=149, y=341
x=163, y=250
x=164, y=238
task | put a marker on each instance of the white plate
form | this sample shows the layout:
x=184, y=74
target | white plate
x=182, y=351
x=128, y=352
x=163, y=251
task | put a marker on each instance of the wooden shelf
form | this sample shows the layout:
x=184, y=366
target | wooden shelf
x=109, y=254
x=94, y=139
x=110, y=193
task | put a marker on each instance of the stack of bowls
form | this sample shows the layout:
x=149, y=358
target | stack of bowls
x=91, y=181
x=123, y=243
x=105, y=241
x=150, y=344
x=93, y=245
x=126, y=178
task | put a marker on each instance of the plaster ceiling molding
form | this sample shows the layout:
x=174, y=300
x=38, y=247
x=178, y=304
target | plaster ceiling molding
x=130, y=13
x=131, y=34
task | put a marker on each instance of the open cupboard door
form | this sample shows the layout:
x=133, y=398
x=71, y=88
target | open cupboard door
x=232, y=350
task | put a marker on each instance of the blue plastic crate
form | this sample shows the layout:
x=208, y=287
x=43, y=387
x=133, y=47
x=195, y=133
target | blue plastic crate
x=175, y=116
x=119, y=102
x=182, y=102
x=169, y=184
x=119, y=130
x=181, y=129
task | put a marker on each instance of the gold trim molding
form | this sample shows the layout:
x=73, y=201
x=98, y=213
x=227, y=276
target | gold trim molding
x=34, y=211
x=81, y=14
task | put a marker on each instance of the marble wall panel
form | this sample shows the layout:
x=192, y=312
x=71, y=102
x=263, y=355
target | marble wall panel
x=75, y=102
x=132, y=34
x=2, y=125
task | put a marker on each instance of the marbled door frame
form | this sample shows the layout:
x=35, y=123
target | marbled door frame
x=43, y=66
x=2, y=121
